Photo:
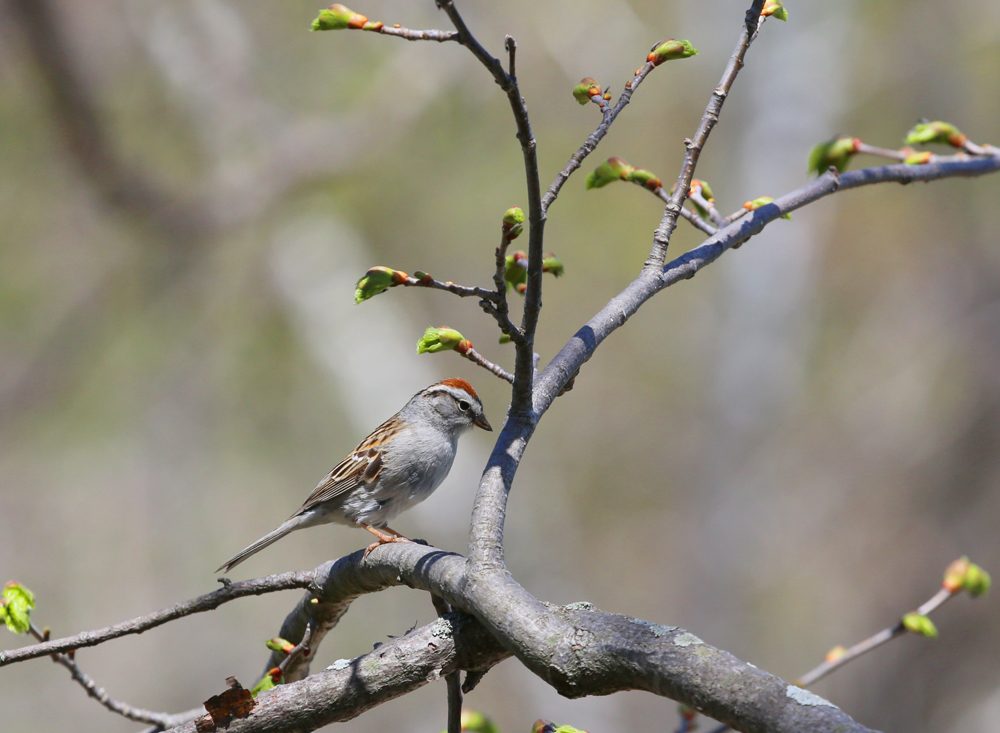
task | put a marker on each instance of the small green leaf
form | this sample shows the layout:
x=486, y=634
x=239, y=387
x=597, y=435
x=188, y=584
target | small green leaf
x=16, y=603
x=669, y=50
x=936, y=132
x=268, y=682
x=977, y=581
x=278, y=644
x=377, y=280
x=586, y=89
x=337, y=17
x=920, y=624
x=611, y=170
x=645, y=178
x=775, y=9
x=512, y=216
x=554, y=265
x=442, y=339
x=836, y=152
x=516, y=274
x=762, y=201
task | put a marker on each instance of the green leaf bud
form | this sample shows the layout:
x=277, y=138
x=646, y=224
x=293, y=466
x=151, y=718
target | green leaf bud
x=337, y=17
x=16, y=603
x=918, y=158
x=422, y=276
x=372, y=25
x=644, y=178
x=440, y=339
x=476, y=722
x=775, y=9
x=517, y=269
x=268, y=682
x=504, y=339
x=586, y=89
x=920, y=624
x=936, y=132
x=977, y=581
x=554, y=265
x=762, y=201
x=512, y=216
x=613, y=169
x=836, y=152
x=377, y=280
x=670, y=49
x=279, y=645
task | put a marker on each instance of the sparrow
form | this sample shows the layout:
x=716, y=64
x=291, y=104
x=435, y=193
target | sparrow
x=396, y=467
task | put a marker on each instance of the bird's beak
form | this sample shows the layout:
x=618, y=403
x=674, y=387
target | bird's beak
x=482, y=422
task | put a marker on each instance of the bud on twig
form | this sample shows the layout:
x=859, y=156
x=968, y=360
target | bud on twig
x=644, y=178
x=936, y=132
x=269, y=681
x=377, y=280
x=836, y=152
x=586, y=89
x=920, y=624
x=16, y=603
x=918, y=158
x=517, y=270
x=554, y=265
x=611, y=170
x=279, y=645
x=337, y=17
x=775, y=9
x=762, y=201
x=513, y=223
x=442, y=339
x=475, y=722
x=964, y=575
x=669, y=50
x=835, y=654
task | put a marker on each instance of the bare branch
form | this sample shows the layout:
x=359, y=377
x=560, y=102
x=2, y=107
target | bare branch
x=661, y=238
x=139, y=715
x=608, y=116
x=696, y=221
x=523, y=363
x=412, y=35
x=462, y=291
x=874, y=641
x=209, y=601
x=476, y=358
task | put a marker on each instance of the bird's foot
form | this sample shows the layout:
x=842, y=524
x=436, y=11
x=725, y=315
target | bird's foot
x=385, y=541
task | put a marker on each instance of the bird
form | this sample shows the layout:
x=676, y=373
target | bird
x=396, y=467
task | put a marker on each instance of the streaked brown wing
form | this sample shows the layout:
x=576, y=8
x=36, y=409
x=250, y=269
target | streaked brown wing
x=362, y=466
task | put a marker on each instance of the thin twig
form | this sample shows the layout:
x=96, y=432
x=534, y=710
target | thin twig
x=523, y=371
x=874, y=641
x=882, y=152
x=99, y=693
x=661, y=238
x=696, y=221
x=696, y=194
x=299, y=650
x=462, y=291
x=501, y=309
x=209, y=601
x=476, y=358
x=453, y=679
x=412, y=35
x=609, y=114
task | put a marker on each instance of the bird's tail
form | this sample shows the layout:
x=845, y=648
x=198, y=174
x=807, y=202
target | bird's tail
x=296, y=522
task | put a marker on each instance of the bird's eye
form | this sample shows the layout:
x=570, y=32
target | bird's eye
x=463, y=405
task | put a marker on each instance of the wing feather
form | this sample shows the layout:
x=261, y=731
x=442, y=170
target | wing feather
x=362, y=466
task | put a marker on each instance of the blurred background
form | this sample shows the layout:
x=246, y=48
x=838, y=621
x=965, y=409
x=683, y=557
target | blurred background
x=780, y=455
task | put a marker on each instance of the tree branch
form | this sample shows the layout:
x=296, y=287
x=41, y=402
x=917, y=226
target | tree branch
x=661, y=238
x=209, y=601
